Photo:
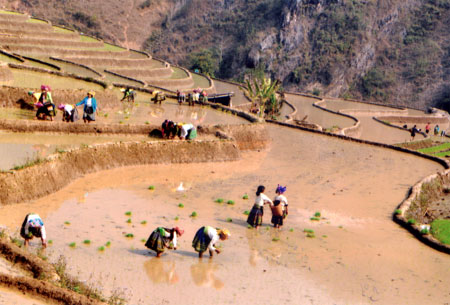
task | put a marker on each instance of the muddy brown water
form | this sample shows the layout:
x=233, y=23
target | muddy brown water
x=19, y=148
x=358, y=256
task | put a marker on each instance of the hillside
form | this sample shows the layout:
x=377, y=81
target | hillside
x=394, y=51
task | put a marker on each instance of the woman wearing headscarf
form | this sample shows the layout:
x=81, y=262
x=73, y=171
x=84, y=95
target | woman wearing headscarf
x=283, y=200
x=162, y=238
x=205, y=239
x=45, y=104
x=90, y=107
x=33, y=226
x=256, y=214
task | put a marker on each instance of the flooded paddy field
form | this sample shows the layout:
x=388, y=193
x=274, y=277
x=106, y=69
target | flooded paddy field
x=17, y=149
x=358, y=255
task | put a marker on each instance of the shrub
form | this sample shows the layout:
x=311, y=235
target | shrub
x=440, y=228
x=411, y=221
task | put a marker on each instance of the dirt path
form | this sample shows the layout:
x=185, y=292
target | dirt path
x=359, y=256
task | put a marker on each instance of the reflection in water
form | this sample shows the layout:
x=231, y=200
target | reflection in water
x=161, y=271
x=203, y=274
x=156, y=111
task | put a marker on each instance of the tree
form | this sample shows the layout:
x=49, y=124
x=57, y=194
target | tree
x=205, y=61
x=262, y=92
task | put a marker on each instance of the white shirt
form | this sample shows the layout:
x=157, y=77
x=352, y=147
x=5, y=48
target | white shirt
x=68, y=108
x=185, y=129
x=174, y=240
x=34, y=220
x=89, y=102
x=212, y=233
x=283, y=201
x=261, y=199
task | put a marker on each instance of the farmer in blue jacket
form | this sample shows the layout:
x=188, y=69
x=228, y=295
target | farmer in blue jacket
x=90, y=107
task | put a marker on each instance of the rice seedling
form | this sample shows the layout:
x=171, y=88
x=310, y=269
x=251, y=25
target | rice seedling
x=151, y=187
x=143, y=240
x=219, y=200
x=291, y=230
x=129, y=220
x=67, y=223
x=105, y=115
x=246, y=212
x=50, y=242
x=229, y=219
x=176, y=218
x=180, y=205
x=230, y=202
x=72, y=245
x=101, y=248
x=424, y=231
x=341, y=227
x=398, y=212
x=108, y=244
x=86, y=242
x=249, y=227
x=128, y=213
x=310, y=235
x=120, y=122
x=267, y=228
x=324, y=236
x=193, y=214
x=147, y=122
x=308, y=231
x=144, y=222
x=245, y=197
x=317, y=214
x=314, y=219
x=411, y=221
x=129, y=235
x=275, y=239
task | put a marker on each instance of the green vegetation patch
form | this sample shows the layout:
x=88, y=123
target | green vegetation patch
x=193, y=214
x=440, y=228
x=86, y=242
x=219, y=200
x=128, y=213
x=435, y=149
x=151, y=187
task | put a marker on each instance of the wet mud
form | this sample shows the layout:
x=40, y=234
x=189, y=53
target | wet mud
x=356, y=257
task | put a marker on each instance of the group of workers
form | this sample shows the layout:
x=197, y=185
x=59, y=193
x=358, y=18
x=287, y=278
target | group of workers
x=46, y=108
x=185, y=131
x=205, y=238
x=436, y=130
x=198, y=96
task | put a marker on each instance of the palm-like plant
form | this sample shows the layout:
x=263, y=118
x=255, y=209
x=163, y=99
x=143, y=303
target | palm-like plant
x=262, y=92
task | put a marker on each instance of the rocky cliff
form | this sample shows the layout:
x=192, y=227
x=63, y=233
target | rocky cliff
x=395, y=51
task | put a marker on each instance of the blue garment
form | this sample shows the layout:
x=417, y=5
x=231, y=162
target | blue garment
x=84, y=102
